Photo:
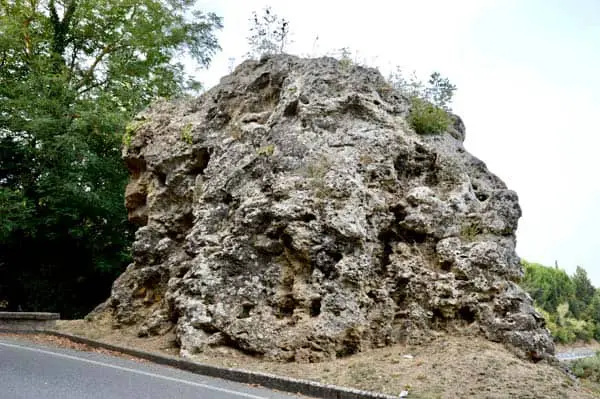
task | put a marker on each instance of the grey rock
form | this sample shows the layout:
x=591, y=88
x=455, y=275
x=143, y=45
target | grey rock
x=291, y=212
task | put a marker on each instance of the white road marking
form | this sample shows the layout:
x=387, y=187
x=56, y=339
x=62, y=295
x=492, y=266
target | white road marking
x=148, y=374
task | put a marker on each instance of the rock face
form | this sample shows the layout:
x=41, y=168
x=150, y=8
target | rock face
x=291, y=212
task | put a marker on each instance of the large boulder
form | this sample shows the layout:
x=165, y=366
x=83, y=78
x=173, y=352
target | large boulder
x=291, y=212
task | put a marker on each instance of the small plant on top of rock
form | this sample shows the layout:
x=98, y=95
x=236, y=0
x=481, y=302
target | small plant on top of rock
x=430, y=103
x=427, y=118
x=344, y=58
x=269, y=34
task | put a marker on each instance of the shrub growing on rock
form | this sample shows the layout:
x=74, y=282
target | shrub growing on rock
x=427, y=118
x=430, y=104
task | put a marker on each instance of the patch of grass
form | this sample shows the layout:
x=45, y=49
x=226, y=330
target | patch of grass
x=319, y=168
x=385, y=89
x=130, y=130
x=236, y=132
x=267, y=150
x=366, y=159
x=186, y=133
x=316, y=171
x=427, y=118
x=271, y=96
x=470, y=230
x=345, y=63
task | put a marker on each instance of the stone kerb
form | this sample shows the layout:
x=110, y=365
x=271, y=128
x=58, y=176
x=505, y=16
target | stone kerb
x=27, y=321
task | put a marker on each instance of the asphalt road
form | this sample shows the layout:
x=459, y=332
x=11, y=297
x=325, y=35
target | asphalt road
x=575, y=354
x=31, y=371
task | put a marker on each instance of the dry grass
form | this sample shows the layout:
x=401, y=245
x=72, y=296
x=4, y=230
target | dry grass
x=449, y=367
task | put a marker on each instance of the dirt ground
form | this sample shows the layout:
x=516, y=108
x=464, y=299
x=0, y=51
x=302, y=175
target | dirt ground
x=448, y=367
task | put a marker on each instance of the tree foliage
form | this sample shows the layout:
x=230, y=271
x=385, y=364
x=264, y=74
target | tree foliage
x=438, y=90
x=570, y=304
x=584, y=292
x=548, y=286
x=72, y=73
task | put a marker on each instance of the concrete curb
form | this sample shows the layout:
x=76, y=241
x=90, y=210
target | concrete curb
x=29, y=316
x=285, y=384
x=26, y=321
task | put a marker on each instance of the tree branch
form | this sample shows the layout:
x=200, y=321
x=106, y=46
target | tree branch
x=73, y=59
x=93, y=86
x=53, y=14
x=89, y=75
x=69, y=13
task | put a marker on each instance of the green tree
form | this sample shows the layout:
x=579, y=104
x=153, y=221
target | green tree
x=438, y=90
x=570, y=305
x=548, y=286
x=593, y=310
x=584, y=292
x=72, y=73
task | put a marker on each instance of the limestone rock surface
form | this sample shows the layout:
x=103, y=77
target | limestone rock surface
x=291, y=212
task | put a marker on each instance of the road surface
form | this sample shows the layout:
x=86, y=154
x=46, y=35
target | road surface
x=575, y=354
x=30, y=371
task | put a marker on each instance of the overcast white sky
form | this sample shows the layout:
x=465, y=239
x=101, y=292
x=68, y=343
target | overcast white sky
x=528, y=82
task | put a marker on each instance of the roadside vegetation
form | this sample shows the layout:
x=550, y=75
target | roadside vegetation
x=588, y=371
x=73, y=73
x=570, y=304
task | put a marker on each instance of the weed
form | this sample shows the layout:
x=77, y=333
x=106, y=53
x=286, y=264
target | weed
x=319, y=168
x=429, y=108
x=385, y=89
x=267, y=150
x=366, y=159
x=427, y=118
x=186, y=133
x=345, y=61
x=471, y=230
x=236, y=132
x=130, y=131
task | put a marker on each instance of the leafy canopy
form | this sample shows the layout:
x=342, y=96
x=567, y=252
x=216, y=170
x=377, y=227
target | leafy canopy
x=570, y=304
x=72, y=73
